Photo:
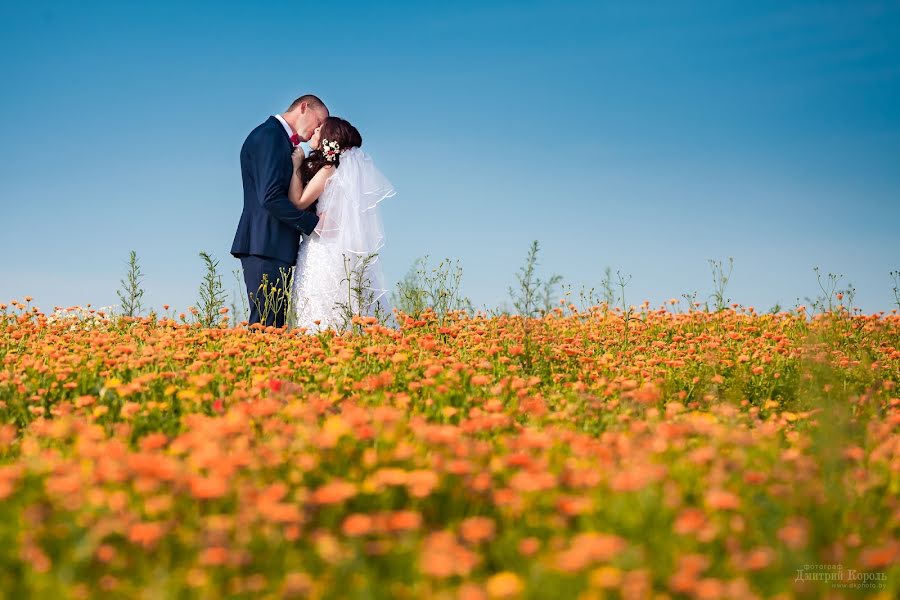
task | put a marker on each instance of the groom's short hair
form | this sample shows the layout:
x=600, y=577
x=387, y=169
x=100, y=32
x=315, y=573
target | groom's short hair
x=311, y=101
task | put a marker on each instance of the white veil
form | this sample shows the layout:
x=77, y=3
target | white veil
x=351, y=225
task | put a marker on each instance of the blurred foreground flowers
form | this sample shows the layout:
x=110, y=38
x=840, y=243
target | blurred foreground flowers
x=703, y=455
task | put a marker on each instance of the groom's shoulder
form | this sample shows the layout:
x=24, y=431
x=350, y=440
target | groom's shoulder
x=264, y=128
x=263, y=132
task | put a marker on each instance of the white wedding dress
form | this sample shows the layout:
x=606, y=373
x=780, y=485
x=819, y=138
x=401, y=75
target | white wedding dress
x=338, y=271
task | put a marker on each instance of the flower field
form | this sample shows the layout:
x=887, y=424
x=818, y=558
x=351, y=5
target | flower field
x=580, y=455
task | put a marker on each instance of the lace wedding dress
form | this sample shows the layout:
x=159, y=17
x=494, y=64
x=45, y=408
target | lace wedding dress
x=338, y=271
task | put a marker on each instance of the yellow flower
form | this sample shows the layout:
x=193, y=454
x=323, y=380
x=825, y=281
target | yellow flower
x=187, y=395
x=505, y=585
x=606, y=577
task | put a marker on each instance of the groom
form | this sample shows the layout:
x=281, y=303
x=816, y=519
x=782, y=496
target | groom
x=268, y=234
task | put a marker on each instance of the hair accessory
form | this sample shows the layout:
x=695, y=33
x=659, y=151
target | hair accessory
x=330, y=150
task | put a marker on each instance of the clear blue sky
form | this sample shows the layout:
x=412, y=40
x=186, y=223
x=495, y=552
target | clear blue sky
x=645, y=136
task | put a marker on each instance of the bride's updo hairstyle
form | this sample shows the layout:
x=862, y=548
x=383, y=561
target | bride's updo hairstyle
x=334, y=130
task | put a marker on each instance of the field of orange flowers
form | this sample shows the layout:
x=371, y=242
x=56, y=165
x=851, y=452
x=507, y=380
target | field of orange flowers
x=581, y=455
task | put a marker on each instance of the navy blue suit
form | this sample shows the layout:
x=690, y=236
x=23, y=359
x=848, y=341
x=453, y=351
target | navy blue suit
x=268, y=234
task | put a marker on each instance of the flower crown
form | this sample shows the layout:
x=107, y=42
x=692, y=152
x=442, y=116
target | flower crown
x=330, y=150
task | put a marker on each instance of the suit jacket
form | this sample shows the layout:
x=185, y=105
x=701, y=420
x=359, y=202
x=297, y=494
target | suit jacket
x=270, y=225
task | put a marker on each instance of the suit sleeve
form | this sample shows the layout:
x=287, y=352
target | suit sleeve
x=272, y=193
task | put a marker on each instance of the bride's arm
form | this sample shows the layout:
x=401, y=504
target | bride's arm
x=313, y=189
x=295, y=191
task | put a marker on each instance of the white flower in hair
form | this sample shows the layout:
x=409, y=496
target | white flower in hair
x=330, y=150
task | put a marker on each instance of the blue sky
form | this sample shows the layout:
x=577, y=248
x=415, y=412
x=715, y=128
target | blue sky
x=648, y=137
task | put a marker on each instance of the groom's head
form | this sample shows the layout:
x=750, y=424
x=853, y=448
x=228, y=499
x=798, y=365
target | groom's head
x=305, y=114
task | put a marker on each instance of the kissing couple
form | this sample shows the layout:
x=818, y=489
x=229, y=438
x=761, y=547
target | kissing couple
x=315, y=213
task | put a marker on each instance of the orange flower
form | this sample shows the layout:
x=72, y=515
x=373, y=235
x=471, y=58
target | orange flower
x=421, y=482
x=214, y=556
x=709, y=589
x=208, y=488
x=758, y=558
x=296, y=585
x=794, y=534
x=279, y=512
x=404, y=520
x=105, y=553
x=635, y=478
x=357, y=524
x=389, y=476
x=648, y=393
x=587, y=548
x=471, y=591
x=334, y=492
x=526, y=481
x=529, y=546
x=83, y=401
x=153, y=441
x=477, y=529
x=693, y=563
x=690, y=520
x=722, y=500
x=881, y=557
x=443, y=557
x=145, y=534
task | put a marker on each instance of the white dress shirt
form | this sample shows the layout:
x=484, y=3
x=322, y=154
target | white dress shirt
x=287, y=127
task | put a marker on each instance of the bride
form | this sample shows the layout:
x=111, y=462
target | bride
x=338, y=273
